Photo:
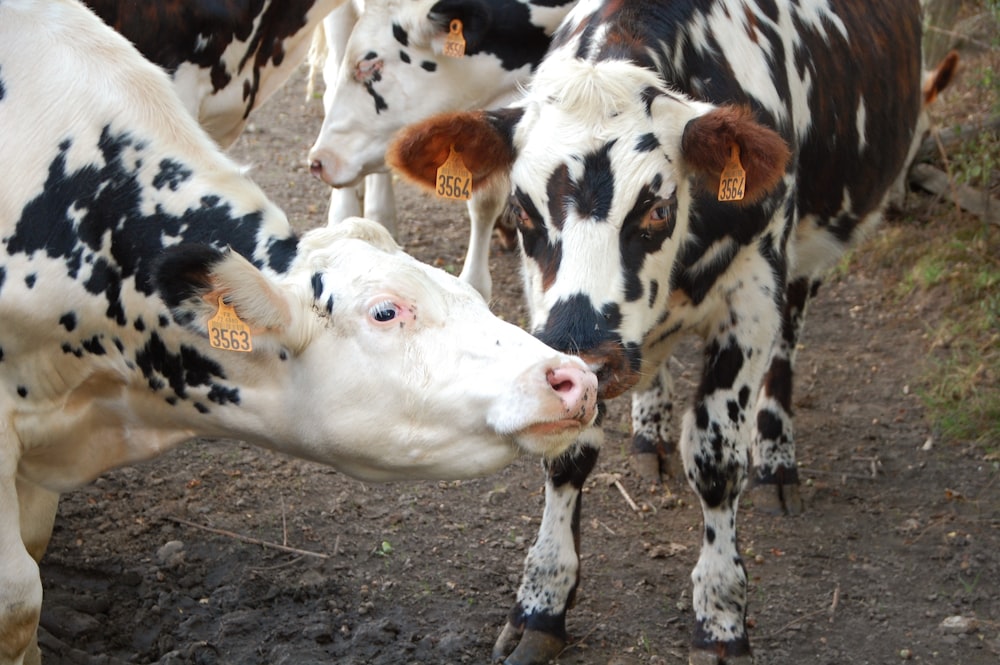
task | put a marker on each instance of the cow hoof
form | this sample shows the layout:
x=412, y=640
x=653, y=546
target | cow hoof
x=712, y=657
x=774, y=499
x=528, y=647
x=507, y=642
x=647, y=467
x=654, y=468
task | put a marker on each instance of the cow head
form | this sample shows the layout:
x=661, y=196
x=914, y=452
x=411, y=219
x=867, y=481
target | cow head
x=393, y=72
x=605, y=166
x=364, y=358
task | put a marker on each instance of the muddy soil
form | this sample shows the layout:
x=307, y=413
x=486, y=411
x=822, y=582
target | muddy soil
x=895, y=559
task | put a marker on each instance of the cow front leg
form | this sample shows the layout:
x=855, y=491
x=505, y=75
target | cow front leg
x=715, y=448
x=20, y=583
x=716, y=465
x=775, y=476
x=484, y=207
x=535, y=632
x=653, y=445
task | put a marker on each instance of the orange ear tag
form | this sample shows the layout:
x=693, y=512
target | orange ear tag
x=734, y=178
x=454, y=43
x=227, y=331
x=454, y=181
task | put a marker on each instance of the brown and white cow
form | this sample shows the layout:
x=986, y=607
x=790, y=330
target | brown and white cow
x=151, y=294
x=688, y=167
x=225, y=57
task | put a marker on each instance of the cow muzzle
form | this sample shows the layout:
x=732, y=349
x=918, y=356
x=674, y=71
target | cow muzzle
x=616, y=370
x=332, y=170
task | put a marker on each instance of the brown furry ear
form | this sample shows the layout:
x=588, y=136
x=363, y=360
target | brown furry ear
x=418, y=150
x=707, y=144
x=938, y=78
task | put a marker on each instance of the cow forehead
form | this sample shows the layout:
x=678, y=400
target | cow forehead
x=592, y=126
x=362, y=267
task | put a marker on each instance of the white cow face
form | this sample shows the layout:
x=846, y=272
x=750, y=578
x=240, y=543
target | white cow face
x=406, y=372
x=393, y=72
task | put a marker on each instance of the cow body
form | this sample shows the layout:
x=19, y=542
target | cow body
x=392, y=71
x=226, y=58
x=151, y=294
x=620, y=160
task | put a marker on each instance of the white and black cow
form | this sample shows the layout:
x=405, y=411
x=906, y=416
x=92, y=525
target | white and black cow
x=227, y=56
x=688, y=167
x=393, y=72
x=151, y=294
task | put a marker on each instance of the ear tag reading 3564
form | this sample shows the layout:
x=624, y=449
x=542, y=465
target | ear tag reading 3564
x=454, y=181
x=227, y=331
x=734, y=178
x=454, y=43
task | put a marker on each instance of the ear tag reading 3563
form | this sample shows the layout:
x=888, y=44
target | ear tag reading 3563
x=734, y=178
x=227, y=331
x=454, y=181
x=454, y=43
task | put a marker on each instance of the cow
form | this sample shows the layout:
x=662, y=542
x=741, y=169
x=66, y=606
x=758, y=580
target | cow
x=392, y=71
x=151, y=294
x=226, y=58
x=688, y=167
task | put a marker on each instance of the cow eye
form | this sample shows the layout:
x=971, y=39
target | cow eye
x=659, y=221
x=383, y=312
x=520, y=214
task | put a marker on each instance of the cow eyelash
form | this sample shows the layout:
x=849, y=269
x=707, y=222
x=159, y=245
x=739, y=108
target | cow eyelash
x=383, y=312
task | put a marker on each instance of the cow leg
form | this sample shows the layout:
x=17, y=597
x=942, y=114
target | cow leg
x=535, y=631
x=345, y=202
x=775, y=476
x=484, y=207
x=380, y=201
x=653, y=446
x=20, y=583
x=715, y=447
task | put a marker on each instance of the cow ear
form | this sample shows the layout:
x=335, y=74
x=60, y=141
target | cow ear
x=707, y=146
x=476, y=17
x=192, y=278
x=938, y=78
x=482, y=139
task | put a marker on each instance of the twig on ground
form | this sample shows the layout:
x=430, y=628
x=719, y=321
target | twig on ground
x=248, y=539
x=628, y=499
x=284, y=525
x=836, y=599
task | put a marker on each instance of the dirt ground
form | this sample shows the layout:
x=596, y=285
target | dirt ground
x=895, y=559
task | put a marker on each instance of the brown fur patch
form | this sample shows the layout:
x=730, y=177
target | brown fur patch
x=707, y=142
x=419, y=149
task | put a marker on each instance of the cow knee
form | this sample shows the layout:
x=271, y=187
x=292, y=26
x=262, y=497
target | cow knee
x=715, y=470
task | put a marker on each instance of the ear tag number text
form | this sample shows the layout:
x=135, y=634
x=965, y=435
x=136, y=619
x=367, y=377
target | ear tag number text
x=454, y=181
x=454, y=43
x=734, y=178
x=227, y=331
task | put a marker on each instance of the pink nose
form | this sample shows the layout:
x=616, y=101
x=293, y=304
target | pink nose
x=577, y=388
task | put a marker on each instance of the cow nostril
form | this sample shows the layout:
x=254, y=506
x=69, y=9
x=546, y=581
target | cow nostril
x=560, y=381
x=316, y=167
